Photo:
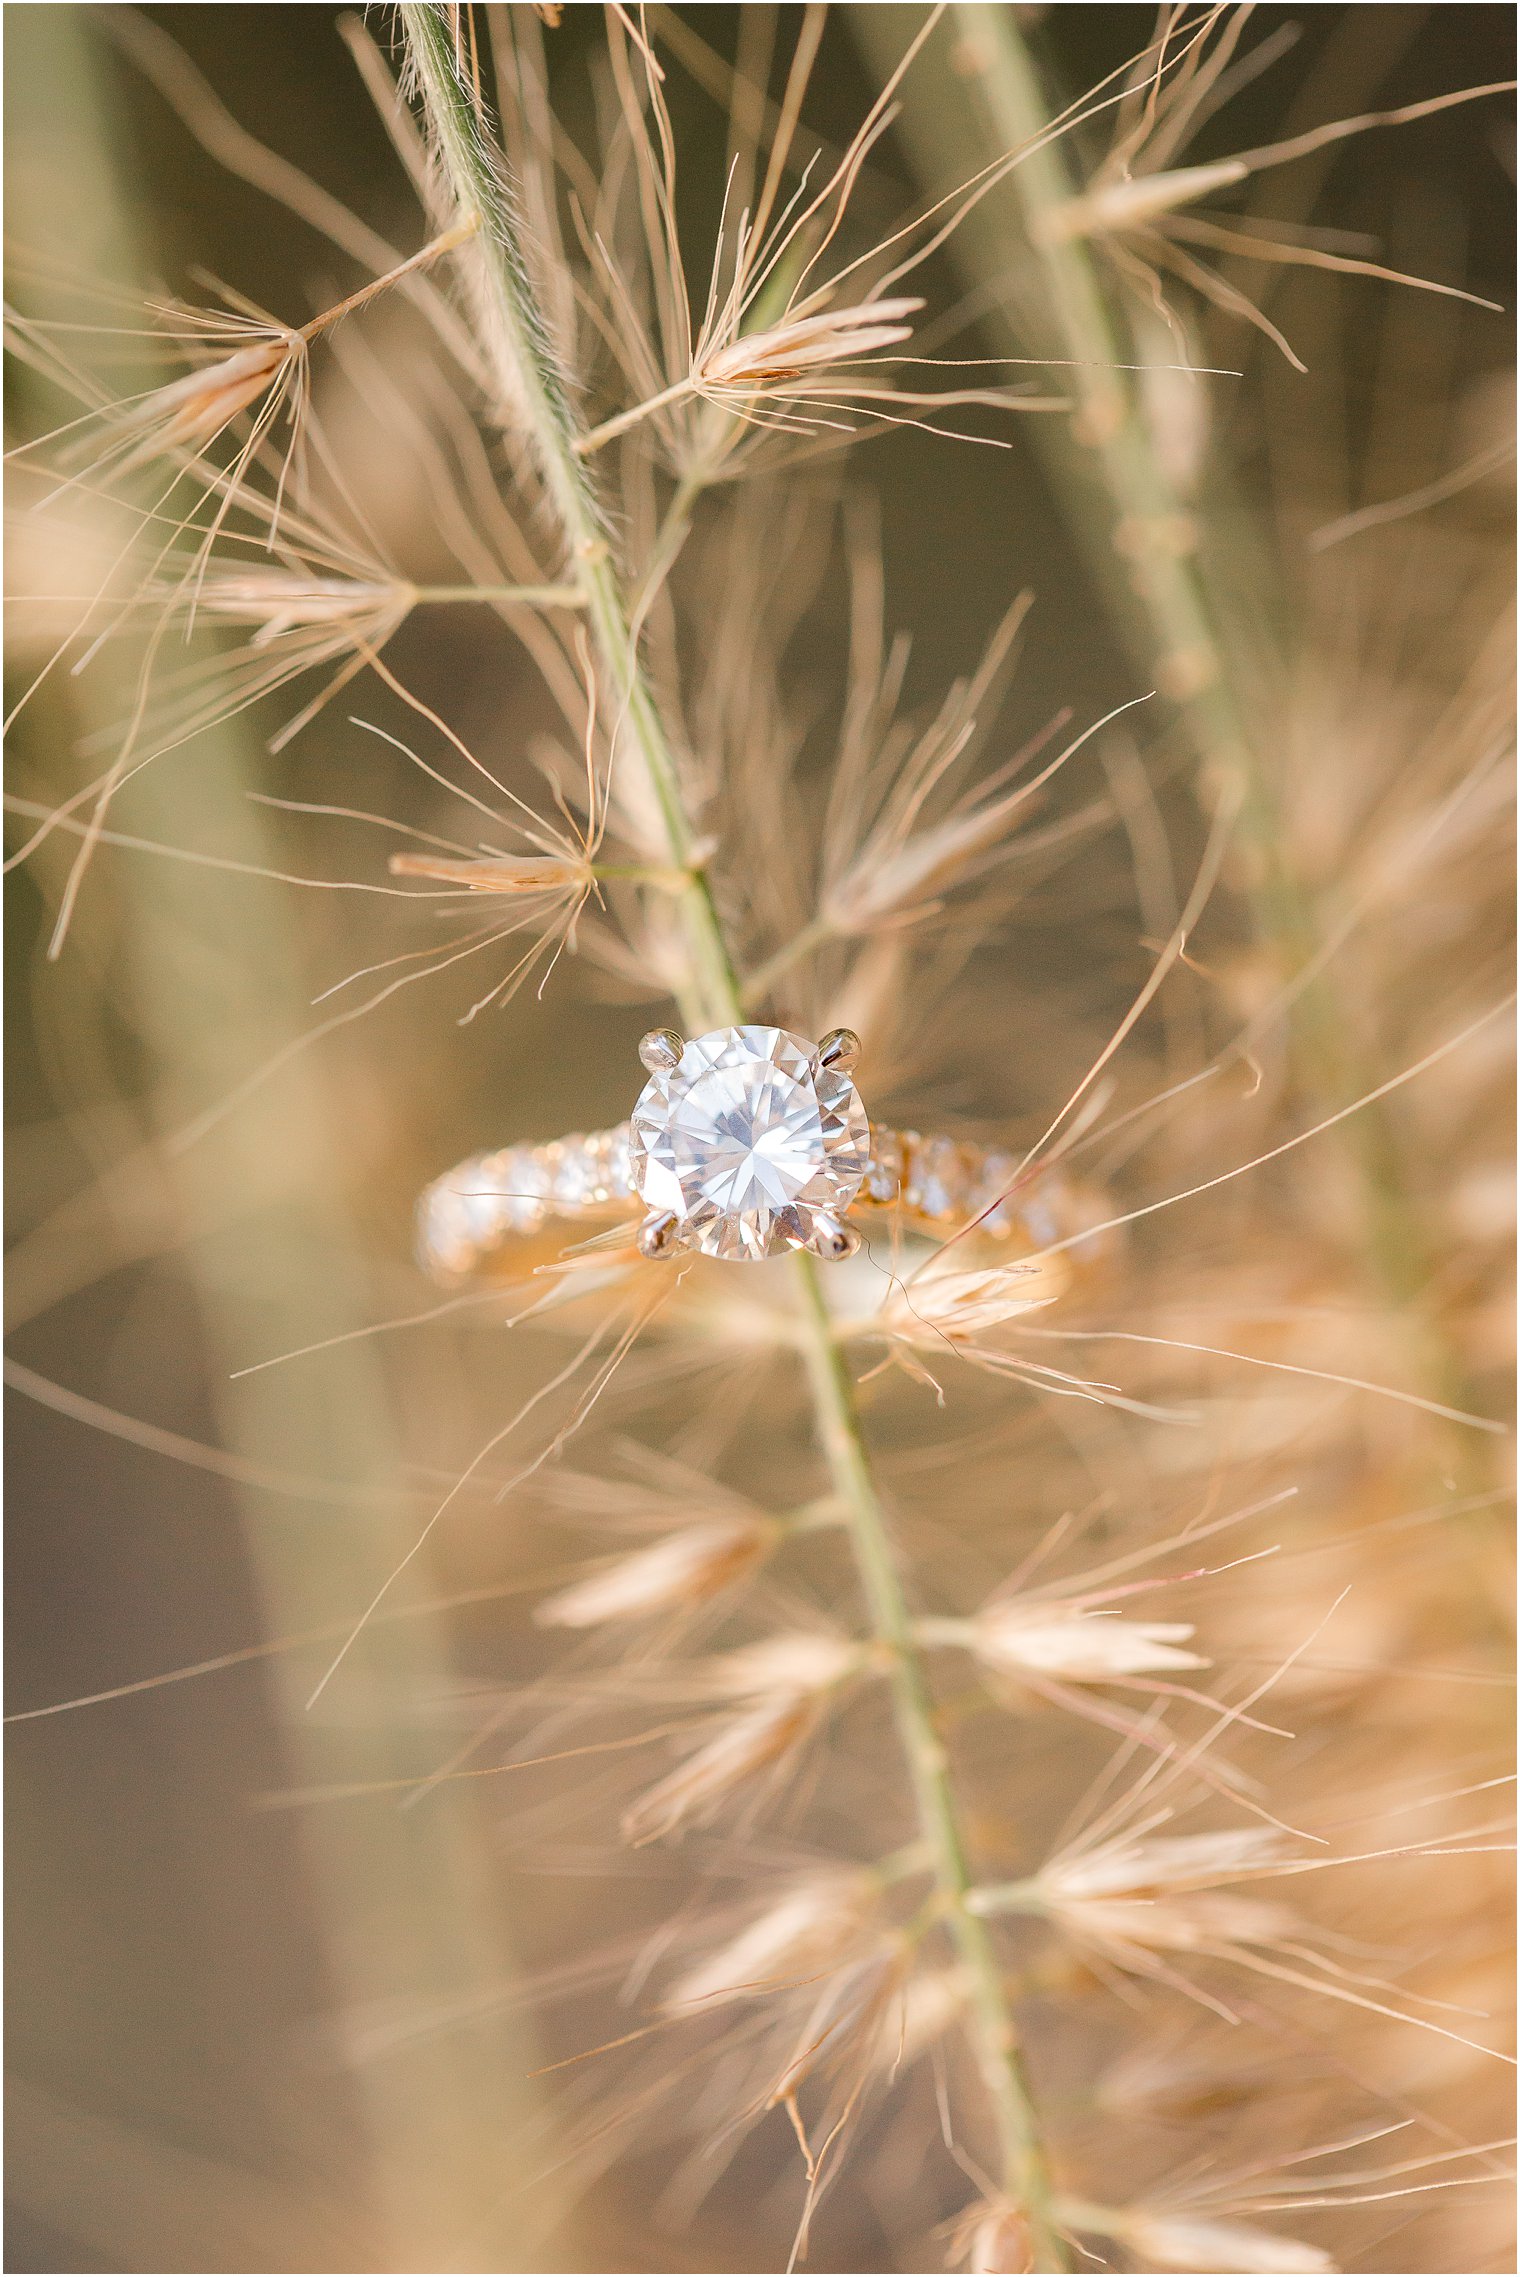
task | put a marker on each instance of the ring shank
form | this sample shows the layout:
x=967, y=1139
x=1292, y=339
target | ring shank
x=492, y=1212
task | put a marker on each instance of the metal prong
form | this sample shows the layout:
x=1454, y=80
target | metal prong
x=840, y=1048
x=661, y=1050
x=832, y=1241
x=660, y=1234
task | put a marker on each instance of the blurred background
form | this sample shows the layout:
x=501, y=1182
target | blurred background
x=217, y=1956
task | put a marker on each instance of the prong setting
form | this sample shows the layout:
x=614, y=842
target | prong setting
x=840, y=1048
x=661, y=1050
x=660, y=1235
x=745, y=1140
x=832, y=1240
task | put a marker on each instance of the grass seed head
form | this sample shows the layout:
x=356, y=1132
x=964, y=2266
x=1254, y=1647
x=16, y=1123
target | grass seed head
x=497, y=873
x=954, y=1303
x=1189, y=2242
x=775, y=359
x=276, y=601
x=1083, y=1647
x=993, y=2240
x=809, y=1929
x=192, y=411
x=796, y=1661
x=1166, y=1863
x=929, y=2003
x=675, y=1575
x=786, y=1681
x=1156, y=1896
x=743, y=1747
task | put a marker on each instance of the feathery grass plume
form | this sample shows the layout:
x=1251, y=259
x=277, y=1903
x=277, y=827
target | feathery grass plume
x=257, y=499
x=685, y=1569
x=992, y=1751
x=1140, y=206
x=786, y=1683
x=175, y=423
x=991, y=2237
x=793, y=336
x=1211, y=2226
x=1188, y=2242
x=798, y=1938
x=1069, y=1640
x=1193, y=619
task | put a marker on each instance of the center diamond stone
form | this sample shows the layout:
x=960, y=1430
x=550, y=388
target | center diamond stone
x=747, y=1140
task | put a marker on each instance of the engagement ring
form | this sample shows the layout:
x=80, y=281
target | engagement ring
x=743, y=1143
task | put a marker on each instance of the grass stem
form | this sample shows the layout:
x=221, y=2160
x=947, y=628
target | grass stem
x=1025, y=2174
x=714, y=996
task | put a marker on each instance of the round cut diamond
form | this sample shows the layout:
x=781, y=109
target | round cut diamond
x=747, y=1140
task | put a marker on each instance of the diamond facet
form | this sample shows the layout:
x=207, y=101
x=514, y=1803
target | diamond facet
x=747, y=1140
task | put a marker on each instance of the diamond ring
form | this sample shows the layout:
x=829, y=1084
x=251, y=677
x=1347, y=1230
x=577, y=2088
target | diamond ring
x=743, y=1143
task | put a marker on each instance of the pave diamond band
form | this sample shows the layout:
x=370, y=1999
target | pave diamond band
x=492, y=1212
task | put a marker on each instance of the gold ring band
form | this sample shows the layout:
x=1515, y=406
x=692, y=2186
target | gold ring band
x=492, y=1212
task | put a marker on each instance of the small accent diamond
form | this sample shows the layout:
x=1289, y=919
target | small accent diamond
x=574, y=1177
x=991, y=1196
x=619, y=1175
x=885, y=1172
x=524, y=1186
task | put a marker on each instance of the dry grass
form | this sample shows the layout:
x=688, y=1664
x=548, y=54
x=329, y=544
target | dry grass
x=994, y=1760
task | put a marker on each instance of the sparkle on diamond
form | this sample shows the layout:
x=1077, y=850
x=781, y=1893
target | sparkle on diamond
x=747, y=1140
